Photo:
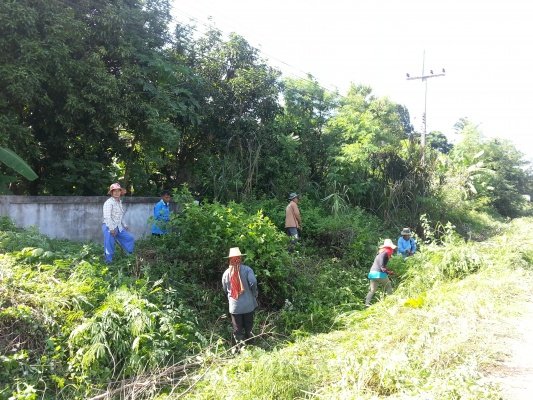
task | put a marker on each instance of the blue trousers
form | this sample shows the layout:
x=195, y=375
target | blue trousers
x=124, y=239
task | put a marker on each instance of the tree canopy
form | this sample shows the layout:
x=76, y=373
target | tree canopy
x=98, y=91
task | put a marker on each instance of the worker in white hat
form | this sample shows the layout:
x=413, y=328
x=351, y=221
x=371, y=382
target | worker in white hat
x=240, y=285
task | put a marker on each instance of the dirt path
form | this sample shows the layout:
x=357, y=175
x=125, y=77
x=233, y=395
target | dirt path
x=515, y=372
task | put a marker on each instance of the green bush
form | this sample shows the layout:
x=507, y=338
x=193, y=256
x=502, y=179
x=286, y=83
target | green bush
x=13, y=239
x=200, y=238
x=58, y=306
x=469, y=218
x=352, y=236
x=6, y=225
x=438, y=264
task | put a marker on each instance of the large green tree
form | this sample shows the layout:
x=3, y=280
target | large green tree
x=308, y=108
x=237, y=93
x=489, y=172
x=370, y=159
x=88, y=92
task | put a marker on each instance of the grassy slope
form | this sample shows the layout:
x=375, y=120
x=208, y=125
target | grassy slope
x=433, y=339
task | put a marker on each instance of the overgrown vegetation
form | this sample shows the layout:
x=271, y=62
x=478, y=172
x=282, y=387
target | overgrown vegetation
x=70, y=324
x=93, y=92
x=66, y=320
x=431, y=339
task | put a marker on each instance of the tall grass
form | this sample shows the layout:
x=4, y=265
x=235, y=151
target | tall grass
x=432, y=339
x=70, y=325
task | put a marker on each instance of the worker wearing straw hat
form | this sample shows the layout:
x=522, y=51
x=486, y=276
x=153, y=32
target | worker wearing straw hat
x=113, y=227
x=379, y=274
x=406, y=244
x=240, y=285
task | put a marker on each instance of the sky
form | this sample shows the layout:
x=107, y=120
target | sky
x=485, y=47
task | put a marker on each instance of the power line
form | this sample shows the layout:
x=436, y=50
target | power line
x=173, y=19
x=332, y=88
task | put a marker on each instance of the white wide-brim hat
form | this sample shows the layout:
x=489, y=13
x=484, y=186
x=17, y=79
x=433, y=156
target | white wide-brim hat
x=235, y=252
x=388, y=243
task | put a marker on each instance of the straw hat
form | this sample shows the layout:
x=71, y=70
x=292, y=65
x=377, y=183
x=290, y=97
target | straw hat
x=116, y=186
x=405, y=231
x=235, y=252
x=388, y=243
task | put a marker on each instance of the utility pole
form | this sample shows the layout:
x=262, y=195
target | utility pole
x=424, y=78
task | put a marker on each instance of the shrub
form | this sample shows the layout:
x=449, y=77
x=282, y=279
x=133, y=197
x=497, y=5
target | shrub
x=353, y=236
x=440, y=264
x=14, y=239
x=60, y=289
x=201, y=236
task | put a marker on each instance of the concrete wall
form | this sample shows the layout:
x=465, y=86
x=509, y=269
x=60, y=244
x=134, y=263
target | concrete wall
x=75, y=217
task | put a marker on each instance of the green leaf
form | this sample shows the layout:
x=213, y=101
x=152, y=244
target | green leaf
x=16, y=163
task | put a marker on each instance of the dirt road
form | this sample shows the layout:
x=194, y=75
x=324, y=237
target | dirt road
x=515, y=372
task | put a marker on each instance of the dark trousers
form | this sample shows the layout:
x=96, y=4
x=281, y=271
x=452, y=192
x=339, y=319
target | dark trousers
x=242, y=325
x=294, y=236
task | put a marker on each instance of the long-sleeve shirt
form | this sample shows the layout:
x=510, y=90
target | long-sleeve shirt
x=380, y=262
x=161, y=217
x=113, y=213
x=247, y=301
x=379, y=267
x=292, y=216
x=404, y=246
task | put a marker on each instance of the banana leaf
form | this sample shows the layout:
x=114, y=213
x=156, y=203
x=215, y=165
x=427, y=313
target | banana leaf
x=17, y=164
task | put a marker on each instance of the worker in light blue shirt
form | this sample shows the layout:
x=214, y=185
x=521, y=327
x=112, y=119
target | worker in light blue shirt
x=406, y=244
x=161, y=214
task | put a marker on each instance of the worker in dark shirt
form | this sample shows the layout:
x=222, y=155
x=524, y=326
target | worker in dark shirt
x=379, y=274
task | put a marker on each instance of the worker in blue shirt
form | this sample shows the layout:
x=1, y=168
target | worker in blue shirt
x=406, y=244
x=161, y=214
